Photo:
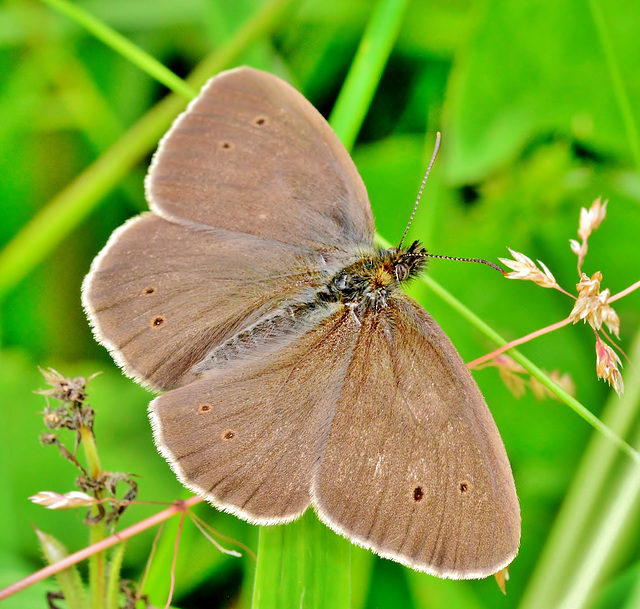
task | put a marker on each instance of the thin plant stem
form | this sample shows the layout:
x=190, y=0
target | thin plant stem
x=174, y=562
x=518, y=341
x=125, y=47
x=85, y=553
x=98, y=530
x=624, y=292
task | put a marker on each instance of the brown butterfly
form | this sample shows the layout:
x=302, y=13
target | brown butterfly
x=296, y=371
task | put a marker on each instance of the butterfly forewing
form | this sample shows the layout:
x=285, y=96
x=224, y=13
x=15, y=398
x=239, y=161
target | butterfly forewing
x=162, y=295
x=252, y=155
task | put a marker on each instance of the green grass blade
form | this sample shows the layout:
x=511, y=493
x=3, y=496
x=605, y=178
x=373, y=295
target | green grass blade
x=302, y=564
x=69, y=579
x=366, y=69
x=633, y=600
x=619, y=88
x=285, y=569
x=125, y=47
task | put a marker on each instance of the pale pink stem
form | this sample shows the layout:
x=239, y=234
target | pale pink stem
x=518, y=341
x=561, y=289
x=72, y=559
x=174, y=562
x=630, y=289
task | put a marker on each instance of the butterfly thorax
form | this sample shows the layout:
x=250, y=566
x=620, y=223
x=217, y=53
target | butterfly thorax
x=367, y=283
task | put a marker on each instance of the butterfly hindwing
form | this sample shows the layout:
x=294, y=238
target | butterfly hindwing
x=414, y=467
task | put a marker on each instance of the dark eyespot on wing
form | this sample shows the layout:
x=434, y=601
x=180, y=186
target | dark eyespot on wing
x=158, y=321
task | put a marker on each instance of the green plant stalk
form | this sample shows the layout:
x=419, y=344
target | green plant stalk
x=125, y=47
x=578, y=516
x=302, y=564
x=113, y=577
x=366, y=70
x=67, y=210
x=98, y=530
x=69, y=580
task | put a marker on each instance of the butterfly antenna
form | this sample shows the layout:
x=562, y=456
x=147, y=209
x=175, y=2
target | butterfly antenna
x=424, y=181
x=478, y=260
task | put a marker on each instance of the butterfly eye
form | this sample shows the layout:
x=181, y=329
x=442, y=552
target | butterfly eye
x=401, y=271
x=342, y=282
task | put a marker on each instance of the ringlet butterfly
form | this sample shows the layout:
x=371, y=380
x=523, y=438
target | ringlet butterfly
x=295, y=370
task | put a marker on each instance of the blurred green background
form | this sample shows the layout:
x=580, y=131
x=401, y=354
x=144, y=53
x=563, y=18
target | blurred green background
x=538, y=102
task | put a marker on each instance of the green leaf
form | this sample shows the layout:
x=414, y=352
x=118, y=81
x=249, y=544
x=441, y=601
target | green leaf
x=69, y=580
x=518, y=79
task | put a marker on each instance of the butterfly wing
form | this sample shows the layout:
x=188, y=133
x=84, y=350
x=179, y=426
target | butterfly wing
x=256, y=204
x=162, y=295
x=414, y=467
x=252, y=155
x=248, y=435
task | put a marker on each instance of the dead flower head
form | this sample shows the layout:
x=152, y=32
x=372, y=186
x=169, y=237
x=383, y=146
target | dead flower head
x=522, y=267
x=591, y=305
x=608, y=366
x=65, y=389
x=592, y=218
x=58, y=501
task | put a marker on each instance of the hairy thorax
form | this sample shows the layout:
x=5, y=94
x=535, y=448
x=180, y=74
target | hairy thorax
x=367, y=283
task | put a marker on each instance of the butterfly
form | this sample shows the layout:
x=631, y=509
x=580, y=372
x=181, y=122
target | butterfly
x=295, y=372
